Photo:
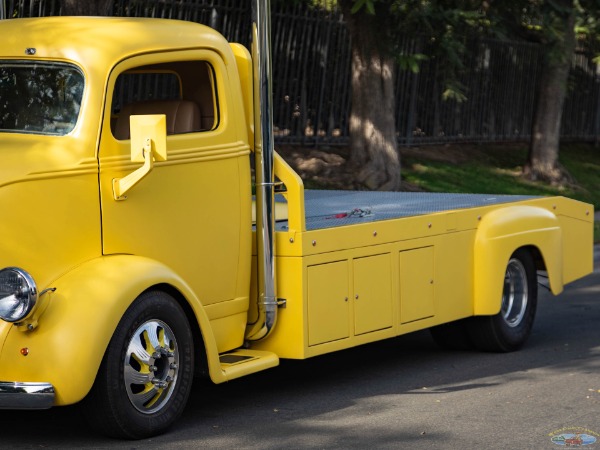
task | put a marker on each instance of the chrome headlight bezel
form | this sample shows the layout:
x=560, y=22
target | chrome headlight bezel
x=18, y=294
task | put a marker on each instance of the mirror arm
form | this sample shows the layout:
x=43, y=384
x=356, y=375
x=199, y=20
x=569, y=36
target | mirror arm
x=122, y=185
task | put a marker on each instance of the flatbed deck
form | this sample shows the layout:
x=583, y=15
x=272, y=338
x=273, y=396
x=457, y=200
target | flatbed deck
x=330, y=209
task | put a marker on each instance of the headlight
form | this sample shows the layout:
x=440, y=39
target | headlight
x=18, y=294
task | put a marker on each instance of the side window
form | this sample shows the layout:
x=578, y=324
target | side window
x=183, y=91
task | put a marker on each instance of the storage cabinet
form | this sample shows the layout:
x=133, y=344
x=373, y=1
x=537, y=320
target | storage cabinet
x=416, y=284
x=338, y=308
x=328, y=302
x=372, y=294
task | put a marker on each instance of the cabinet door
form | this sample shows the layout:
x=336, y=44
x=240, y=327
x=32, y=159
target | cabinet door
x=372, y=294
x=416, y=284
x=328, y=306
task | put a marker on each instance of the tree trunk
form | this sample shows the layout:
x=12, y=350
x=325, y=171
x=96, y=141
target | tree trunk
x=373, y=142
x=86, y=7
x=543, y=162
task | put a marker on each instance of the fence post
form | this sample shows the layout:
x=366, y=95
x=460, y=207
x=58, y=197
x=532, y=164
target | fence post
x=324, y=60
x=411, y=119
x=596, y=92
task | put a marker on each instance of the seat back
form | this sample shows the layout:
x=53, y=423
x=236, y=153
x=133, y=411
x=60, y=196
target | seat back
x=182, y=116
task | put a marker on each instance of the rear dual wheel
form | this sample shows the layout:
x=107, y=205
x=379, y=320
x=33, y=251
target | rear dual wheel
x=146, y=375
x=510, y=328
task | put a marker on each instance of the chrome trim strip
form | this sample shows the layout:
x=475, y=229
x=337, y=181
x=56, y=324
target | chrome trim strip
x=197, y=154
x=17, y=395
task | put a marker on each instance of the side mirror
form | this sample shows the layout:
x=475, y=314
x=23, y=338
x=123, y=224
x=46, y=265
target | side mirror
x=148, y=144
x=148, y=127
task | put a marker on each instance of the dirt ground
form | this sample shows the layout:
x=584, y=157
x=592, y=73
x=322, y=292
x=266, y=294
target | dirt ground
x=327, y=168
x=323, y=168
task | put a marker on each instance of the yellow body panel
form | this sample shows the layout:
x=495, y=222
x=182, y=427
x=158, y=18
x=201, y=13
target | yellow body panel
x=500, y=234
x=67, y=346
x=328, y=310
x=372, y=283
x=416, y=284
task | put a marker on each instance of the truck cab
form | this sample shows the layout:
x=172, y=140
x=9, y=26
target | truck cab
x=67, y=100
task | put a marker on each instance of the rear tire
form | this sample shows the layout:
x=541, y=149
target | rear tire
x=510, y=328
x=146, y=375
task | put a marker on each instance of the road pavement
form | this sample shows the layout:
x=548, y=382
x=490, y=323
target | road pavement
x=401, y=393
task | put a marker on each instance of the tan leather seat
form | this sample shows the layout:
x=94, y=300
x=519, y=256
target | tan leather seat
x=182, y=116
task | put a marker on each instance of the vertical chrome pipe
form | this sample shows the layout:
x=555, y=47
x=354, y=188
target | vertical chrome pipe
x=264, y=173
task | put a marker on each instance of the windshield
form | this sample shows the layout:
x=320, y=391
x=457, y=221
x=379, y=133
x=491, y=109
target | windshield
x=39, y=98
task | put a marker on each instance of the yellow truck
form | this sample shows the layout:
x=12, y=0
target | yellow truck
x=135, y=254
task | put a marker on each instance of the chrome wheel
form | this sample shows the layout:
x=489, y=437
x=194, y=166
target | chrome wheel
x=509, y=329
x=146, y=374
x=151, y=364
x=515, y=293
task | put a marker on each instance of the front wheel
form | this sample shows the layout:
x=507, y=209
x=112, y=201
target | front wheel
x=146, y=375
x=509, y=329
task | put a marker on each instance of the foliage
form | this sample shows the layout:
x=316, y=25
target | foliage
x=444, y=26
x=543, y=21
x=411, y=61
x=369, y=6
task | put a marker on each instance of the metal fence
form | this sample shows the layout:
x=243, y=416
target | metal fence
x=311, y=67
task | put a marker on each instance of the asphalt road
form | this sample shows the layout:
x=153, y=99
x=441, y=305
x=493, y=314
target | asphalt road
x=402, y=393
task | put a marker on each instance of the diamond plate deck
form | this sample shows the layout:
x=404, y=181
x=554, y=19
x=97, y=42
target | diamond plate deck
x=330, y=209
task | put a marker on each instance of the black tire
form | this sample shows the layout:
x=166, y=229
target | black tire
x=146, y=375
x=453, y=335
x=510, y=328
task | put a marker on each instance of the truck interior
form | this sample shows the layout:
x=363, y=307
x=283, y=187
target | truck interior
x=183, y=91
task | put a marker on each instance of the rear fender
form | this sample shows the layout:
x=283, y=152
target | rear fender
x=499, y=235
x=73, y=332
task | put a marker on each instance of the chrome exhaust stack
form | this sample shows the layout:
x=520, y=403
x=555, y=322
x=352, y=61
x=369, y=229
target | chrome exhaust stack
x=264, y=173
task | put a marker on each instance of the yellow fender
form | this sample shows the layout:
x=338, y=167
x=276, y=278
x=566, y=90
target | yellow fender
x=67, y=346
x=500, y=234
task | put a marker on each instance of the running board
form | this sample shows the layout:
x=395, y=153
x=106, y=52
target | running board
x=237, y=363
